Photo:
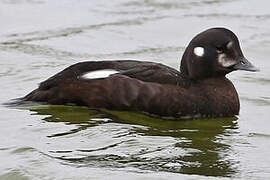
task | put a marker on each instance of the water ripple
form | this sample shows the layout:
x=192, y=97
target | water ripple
x=223, y=15
x=173, y=4
x=48, y=34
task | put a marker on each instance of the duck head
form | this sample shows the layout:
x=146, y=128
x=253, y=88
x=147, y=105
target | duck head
x=214, y=52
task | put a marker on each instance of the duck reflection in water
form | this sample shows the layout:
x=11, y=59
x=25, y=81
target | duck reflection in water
x=187, y=146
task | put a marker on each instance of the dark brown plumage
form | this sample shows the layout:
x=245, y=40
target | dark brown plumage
x=199, y=90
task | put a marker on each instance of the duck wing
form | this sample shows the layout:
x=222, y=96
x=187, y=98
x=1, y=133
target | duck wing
x=52, y=89
x=142, y=70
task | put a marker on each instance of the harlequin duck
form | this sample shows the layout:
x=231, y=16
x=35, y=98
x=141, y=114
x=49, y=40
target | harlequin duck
x=199, y=89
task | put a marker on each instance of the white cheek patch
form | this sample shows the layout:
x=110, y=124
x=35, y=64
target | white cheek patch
x=224, y=61
x=104, y=73
x=198, y=51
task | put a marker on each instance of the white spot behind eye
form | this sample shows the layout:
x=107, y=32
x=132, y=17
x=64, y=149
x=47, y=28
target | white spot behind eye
x=198, y=51
x=229, y=45
x=104, y=73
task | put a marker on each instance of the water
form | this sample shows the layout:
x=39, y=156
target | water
x=39, y=38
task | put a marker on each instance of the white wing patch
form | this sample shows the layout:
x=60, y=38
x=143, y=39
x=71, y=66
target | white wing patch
x=104, y=73
x=198, y=51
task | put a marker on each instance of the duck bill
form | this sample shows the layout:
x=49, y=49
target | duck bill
x=244, y=64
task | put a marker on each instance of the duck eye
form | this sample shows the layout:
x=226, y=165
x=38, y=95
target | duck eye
x=219, y=50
